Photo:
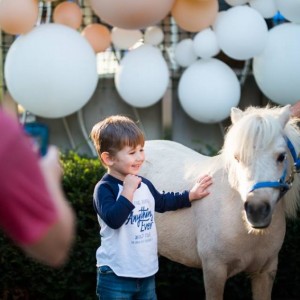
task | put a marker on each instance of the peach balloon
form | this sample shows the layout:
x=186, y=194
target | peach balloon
x=98, y=36
x=194, y=15
x=18, y=16
x=69, y=14
x=131, y=14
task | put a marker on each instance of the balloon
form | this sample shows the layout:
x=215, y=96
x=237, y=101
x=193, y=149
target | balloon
x=277, y=69
x=68, y=13
x=142, y=77
x=208, y=89
x=131, y=14
x=18, y=16
x=98, y=36
x=125, y=38
x=153, y=35
x=205, y=43
x=266, y=8
x=184, y=53
x=193, y=16
x=241, y=32
x=236, y=2
x=51, y=71
x=290, y=9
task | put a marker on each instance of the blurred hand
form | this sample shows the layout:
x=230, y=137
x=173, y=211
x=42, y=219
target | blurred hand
x=295, y=110
x=50, y=164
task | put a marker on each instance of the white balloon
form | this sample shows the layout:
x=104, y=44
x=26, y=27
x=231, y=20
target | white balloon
x=51, y=71
x=142, y=77
x=208, y=89
x=125, y=38
x=241, y=32
x=277, y=69
x=266, y=8
x=184, y=53
x=290, y=9
x=153, y=35
x=236, y=2
x=206, y=44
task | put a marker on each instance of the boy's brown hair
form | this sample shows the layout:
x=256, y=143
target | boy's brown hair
x=114, y=133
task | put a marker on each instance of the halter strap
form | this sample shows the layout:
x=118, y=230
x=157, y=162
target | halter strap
x=282, y=183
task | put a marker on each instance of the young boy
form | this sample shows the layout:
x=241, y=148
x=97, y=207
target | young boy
x=125, y=203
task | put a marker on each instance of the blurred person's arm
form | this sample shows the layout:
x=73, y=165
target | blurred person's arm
x=34, y=212
x=295, y=109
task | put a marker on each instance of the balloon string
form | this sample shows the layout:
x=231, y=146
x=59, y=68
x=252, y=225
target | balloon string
x=41, y=7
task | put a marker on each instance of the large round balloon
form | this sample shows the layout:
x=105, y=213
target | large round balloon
x=124, y=38
x=142, y=77
x=131, y=14
x=51, y=71
x=241, y=32
x=277, y=68
x=208, y=89
x=193, y=16
x=18, y=16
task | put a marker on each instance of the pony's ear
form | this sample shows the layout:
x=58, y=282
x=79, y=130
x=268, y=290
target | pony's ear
x=284, y=114
x=236, y=114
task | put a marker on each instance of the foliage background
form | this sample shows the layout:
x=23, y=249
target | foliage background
x=23, y=279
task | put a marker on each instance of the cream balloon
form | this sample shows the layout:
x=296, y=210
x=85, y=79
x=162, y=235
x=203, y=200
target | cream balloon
x=205, y=43
x=124, y=38
x=153, y=35
x=277, y=69
x=131, y=14
x=184, y=53
x=241, y=32
x=208, y=89
x=51, y=71
x=290, y=9
x=142, y=77
x=18, y=16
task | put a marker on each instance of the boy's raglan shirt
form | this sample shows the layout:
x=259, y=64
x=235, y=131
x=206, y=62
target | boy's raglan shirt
x=127, y=229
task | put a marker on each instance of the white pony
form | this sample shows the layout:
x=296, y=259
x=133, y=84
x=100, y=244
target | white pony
x=240, y=226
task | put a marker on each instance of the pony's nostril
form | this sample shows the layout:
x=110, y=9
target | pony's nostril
x=257, y=211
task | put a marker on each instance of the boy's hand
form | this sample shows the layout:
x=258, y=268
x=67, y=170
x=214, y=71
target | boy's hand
x=199, y=190
x=130, y=184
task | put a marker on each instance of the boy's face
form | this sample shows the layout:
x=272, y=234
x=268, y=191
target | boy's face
x=127, y=161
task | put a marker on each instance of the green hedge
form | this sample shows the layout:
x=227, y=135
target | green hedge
x=21, y=278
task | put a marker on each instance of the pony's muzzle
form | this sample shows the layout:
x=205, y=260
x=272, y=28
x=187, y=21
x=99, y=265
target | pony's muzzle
x=259, y=213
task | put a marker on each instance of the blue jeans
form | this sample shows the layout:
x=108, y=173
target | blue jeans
x=113, y=287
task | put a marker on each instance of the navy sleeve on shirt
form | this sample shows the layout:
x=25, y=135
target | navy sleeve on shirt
x=114, y=213
x=168, y=201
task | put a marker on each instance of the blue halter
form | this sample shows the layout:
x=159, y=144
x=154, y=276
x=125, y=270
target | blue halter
x=282, y=184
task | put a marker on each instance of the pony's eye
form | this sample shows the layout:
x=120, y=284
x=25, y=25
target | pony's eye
x=236, y=157
x=281, y=157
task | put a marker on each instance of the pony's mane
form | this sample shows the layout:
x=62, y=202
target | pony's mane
x=255, y=132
